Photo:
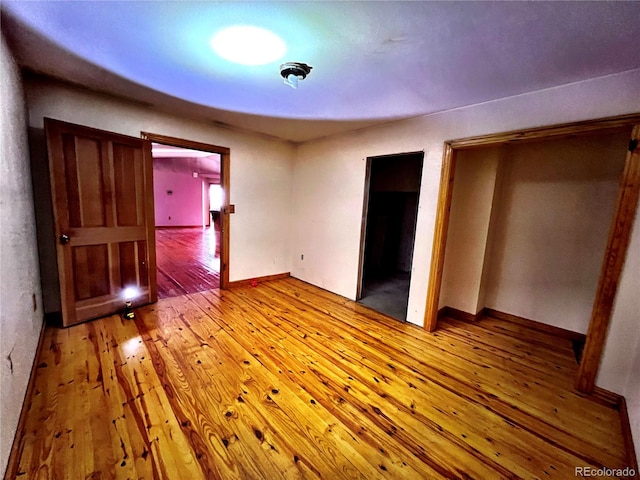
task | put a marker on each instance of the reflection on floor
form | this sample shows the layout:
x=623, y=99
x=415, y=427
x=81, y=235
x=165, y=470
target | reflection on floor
x=188, y=260
x=287, y=380
x=388, y=295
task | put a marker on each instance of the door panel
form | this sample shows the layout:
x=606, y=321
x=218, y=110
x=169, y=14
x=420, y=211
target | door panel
x=90, y=266
x=129, y=187
x=102, y=192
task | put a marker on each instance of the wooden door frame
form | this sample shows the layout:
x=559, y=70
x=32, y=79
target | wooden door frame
x=225, y=162
x=363, y=226
x=619, y=235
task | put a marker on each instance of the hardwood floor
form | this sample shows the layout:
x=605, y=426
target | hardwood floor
x=285, y=380
x=188, y=260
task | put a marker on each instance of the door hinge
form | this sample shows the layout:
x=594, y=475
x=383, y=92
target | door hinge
x=633, y=144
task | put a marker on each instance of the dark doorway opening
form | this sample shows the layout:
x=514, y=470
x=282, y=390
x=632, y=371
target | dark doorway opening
x=392, y=192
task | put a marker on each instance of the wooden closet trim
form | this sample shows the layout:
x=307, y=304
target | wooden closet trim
x=619, y=235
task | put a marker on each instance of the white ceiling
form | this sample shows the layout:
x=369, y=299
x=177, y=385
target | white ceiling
x=373, y=61
x=159, y=150
x=184, y=159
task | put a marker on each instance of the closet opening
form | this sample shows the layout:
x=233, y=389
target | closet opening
x=535, y=224
x=392, y=190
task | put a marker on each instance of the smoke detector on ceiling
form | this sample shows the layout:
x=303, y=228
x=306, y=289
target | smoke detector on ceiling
x=292, y=72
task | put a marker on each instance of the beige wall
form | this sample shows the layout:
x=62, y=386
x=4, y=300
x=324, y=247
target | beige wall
x=547, y=223
x=308, y=199
x=328, y=184
x=553, y=215
x=620, y=369
x=20, y=296
x=261, y=168
x=468, y=235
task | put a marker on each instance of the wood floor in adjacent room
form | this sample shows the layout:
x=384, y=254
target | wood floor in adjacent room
x=285, y=380
x=188, y=260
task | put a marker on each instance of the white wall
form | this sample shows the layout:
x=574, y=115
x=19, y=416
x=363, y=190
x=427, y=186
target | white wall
x=468, y=235
x=184, y=205
x=329, y=174
x=261, y=167
x=549, y=226
x=550, y=219
x=20, y=317
x=553, y=216
x=329, y=182
x=620, y=367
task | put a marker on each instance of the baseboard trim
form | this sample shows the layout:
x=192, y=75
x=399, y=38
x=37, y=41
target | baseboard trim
x=614, y=400
x=600, y=395
x=508, y=317
x=14, y=455
x=254, y=281
x=535, y=325
x=632, y=459
x=606, y=397
x=460, y=315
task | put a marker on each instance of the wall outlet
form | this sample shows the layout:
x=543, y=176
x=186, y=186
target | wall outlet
x=302, y=257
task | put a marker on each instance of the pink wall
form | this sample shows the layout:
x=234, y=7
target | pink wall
x=183, y=208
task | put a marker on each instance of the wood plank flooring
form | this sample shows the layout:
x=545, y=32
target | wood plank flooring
x=285, y=380
x=188, y=260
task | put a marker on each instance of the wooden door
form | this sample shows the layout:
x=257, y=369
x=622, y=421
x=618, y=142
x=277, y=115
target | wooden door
x=102, y=193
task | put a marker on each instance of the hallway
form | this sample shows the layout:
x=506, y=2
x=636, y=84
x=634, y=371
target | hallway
x=188, y=260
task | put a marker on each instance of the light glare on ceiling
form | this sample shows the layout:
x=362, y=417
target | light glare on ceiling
x=248, y=45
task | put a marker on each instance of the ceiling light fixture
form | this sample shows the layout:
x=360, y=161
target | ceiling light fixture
x=248, y=45
x=292, y=72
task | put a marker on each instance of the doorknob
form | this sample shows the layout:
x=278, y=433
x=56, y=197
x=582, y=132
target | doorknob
x=64, y=239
